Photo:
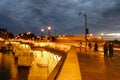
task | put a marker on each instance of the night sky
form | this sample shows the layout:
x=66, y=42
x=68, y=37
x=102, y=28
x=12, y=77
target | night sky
x=63, y=15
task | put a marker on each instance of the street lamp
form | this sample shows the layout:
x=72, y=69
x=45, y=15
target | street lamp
x=49, y=28
x=42, y=30
x=91, y=35
x=102, y=34
x=86, y=29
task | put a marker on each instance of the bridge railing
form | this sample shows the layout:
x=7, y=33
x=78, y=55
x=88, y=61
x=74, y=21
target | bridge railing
x=62, y=47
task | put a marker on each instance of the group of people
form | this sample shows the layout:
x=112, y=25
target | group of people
x=107, y=47
x=108, y=50
x=95, y=46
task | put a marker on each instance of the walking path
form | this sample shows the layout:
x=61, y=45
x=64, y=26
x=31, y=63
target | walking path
x=70, y=69
x=90, y=65
x=94, y=66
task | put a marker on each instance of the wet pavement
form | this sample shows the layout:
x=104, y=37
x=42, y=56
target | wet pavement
x=94, y=66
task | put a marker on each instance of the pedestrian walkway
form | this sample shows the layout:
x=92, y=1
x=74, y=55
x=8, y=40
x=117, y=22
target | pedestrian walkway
x=94, y=66
x=70, y=69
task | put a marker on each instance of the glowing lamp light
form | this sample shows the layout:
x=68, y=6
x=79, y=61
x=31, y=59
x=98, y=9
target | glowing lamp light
x=91, y=35
x=49, y=28
x=42, y=30
x=28, y=33
x=102, y=34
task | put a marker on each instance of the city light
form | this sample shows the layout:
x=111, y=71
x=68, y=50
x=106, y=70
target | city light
x=42, y=30
x=21, y=34
x=49, y=28
x=91, y=35
x=28, y=33
x=102, y=34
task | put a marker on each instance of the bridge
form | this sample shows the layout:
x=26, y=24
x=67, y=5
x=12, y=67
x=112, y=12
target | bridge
x=70, y=69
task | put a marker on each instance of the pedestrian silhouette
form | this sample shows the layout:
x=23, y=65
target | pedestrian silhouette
x=89, y=45
x=80, y=45
x=95, y=47
x=80, y=42
x=105, y=48
x=110, y=50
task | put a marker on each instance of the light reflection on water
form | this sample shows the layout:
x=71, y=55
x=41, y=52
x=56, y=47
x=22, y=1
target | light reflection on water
x=42, y=65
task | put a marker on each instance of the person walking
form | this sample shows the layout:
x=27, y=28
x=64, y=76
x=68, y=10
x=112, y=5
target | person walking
x=105, y=48
x=80, y=45
x=89, y=45
x=96, y=47
x=110, y=50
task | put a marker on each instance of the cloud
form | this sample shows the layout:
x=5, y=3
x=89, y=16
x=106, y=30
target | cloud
x=10, y=24
x=63, y=15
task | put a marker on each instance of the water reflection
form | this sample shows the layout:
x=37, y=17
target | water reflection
x=42, y=65
x=8, y=68
x=44, y=62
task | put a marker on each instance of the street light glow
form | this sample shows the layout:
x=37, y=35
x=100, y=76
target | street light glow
x=102, y=34
x=91, y=35
x=49, y=28
x=21, y=34
x=42, y=30
x=28, y=33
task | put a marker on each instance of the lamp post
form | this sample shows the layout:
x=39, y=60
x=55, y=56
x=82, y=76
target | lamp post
x=91, y=36
x=42, y=31
x=49, y=28
x=86, y=29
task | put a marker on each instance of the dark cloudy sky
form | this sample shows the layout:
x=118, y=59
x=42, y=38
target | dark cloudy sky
x=63, y=15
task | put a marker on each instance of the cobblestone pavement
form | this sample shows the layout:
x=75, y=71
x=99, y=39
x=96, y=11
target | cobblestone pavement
x=94, y=66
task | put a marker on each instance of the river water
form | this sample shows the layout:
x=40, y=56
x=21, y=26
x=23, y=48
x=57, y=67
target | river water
x=42, y=65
